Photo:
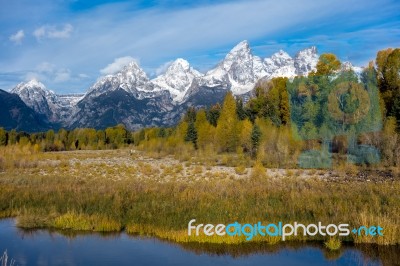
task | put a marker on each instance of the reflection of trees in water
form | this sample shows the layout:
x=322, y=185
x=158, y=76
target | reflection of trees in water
x=68, y=234
x=370, y=254
x=363, y=254
x=388, y=255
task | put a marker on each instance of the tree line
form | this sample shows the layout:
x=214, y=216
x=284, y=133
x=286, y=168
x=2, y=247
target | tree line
x=62, y=140
x=282, y=119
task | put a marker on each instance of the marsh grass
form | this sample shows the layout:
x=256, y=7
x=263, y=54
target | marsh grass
x=106, y=191
x=333, y=244
x=84, y=222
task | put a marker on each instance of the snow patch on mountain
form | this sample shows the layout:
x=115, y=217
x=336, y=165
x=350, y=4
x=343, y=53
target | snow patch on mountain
x=240, y=69
x=131, y=79
x=35, y=95
x=44, y=101
x=306, y=61
x=177, y=79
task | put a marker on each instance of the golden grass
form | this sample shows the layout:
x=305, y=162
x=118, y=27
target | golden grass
x=333, y=243
x=110, y=191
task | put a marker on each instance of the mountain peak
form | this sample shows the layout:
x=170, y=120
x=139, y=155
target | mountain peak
x=281, y=54
x=306, y=60
x=35, y=95
x=32, y=84
x=177, y=79
x=35, y=83
x=180, y=62
x=242, y=46
x=310, y=51
x=131, y=67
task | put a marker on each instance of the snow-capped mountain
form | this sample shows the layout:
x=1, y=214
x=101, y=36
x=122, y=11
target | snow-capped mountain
x=131, y=78
x=44, y=101
x=15, y=114
x=240, y=70
x=346, y=66
x=305, y=61
x=39, y=98
x=280, y=64
x=131, y=98
x=177, y=79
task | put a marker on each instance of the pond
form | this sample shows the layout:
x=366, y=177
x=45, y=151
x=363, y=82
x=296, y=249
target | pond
x=46, y=247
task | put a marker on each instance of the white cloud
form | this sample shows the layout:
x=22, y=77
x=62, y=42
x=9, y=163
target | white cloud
x=161, y=69
x=39, y=32
x=83, y=76
x=17, y=37
x=62, y=75
x=195, y=33
x=117, y=65
x=48, y=72
x=45, y=67
x=34, y=75
x=53, y=32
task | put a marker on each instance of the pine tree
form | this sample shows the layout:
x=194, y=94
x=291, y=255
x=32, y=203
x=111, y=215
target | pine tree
x=255, y=139
x=213, y=114
x=240, y=110
x=191, y=134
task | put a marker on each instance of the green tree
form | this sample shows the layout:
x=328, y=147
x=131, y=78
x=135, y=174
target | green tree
x=255, y=139
x=388, y=71
x=191, y=134
x=240, y=110
x=271, y=101
x=213, y=114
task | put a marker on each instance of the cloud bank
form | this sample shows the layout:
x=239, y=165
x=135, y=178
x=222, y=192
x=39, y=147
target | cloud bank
x=86, y=40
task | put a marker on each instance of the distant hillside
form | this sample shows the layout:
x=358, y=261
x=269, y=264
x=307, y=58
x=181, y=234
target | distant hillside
x=15, y=114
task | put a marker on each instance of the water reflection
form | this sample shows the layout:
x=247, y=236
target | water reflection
x=50, y=247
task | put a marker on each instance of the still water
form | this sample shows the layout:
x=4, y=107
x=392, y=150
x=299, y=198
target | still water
x=44, y=247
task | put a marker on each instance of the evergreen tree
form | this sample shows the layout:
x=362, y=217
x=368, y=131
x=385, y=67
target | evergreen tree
x=213, y=114
x=162, y=133
x=190, y=115
x=191, y=134
x=255, y=139
x=240, y=110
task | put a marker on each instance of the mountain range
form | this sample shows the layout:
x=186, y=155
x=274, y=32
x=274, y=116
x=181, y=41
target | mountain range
x=131, y=98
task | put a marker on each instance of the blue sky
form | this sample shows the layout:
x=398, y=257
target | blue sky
x=68, y=44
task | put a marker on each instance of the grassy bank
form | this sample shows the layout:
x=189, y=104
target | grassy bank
x=114, y=191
